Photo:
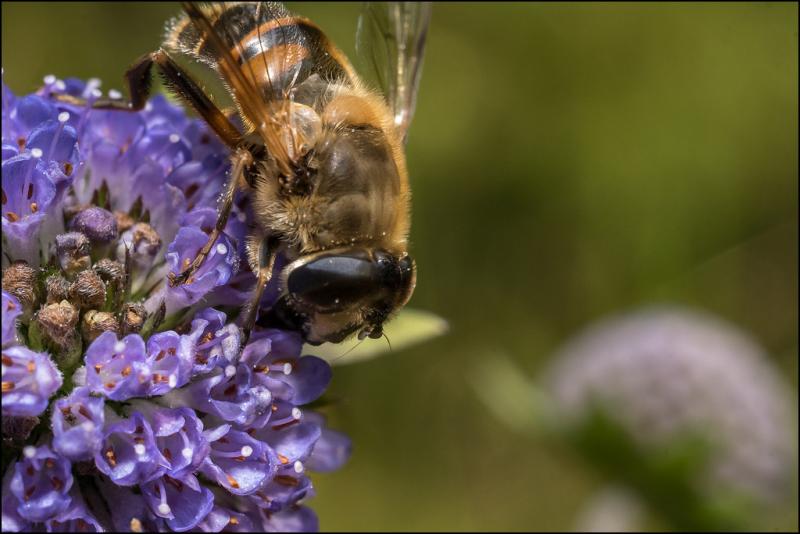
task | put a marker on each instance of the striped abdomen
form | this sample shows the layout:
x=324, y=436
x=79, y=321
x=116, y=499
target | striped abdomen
x=275, y=50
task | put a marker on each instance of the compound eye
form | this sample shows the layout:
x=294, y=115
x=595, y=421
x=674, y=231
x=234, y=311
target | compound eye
x=335, y=282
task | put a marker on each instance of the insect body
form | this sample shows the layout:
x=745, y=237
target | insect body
x=320, y=155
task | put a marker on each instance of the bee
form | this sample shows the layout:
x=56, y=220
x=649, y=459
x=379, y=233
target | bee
x=318, y=152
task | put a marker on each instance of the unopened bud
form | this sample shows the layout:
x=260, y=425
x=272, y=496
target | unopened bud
x=19, y=279
x=95, y=323
x=143, y=240
x=124, y=221
x=56, y=288
x=99, y=225
x=111, y=272
x=73, y=250
x=57, y=322
x=133, y=318
x=88, y=291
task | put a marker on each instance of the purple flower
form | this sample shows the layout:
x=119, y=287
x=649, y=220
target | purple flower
x=164, y=422
x=11, y=309
x=213, y=341
x=664, y=373
x=216, y=270
x=169, y=362
x=220, y=519
x=230, y=394
x=29, y=379
x=117, y=368
x=240, y=463
x=129, y=454
x=182, y=503
x=332, y=449
x=76, y=518
x=129, y=511
x=179, y=437
x=78, y=425
x=274, y=358
x=27, y=196
x=41, y=483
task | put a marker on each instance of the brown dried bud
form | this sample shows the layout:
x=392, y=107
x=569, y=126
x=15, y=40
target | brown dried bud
x=112, y=272
x=95, y=323
x=133, y=318
x=57, y=322
x=144, y=240
x=124, y=221
x=73, y=250
x=56, y=288
x=88, y=291
x=19, y=279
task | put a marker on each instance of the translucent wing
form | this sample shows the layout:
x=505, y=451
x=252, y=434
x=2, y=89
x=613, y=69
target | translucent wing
x=390, y=42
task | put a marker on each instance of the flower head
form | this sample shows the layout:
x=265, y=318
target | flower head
x=666, y=373
x=146, y=411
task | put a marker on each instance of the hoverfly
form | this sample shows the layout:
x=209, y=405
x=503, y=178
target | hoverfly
x=320, y=155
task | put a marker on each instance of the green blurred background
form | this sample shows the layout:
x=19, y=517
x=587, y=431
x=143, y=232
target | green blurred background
x=567, y=161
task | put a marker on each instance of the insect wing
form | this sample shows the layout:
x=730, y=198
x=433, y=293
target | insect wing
x=390, y=42
x=251, y=45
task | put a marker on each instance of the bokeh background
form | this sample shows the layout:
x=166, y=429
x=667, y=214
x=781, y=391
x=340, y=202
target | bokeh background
x=567, y=161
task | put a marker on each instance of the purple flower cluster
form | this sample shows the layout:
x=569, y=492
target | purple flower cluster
x=131, y=405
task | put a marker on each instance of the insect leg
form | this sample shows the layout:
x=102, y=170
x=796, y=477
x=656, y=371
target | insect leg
x=262, y=253
x=138, y=80
x=241, y=159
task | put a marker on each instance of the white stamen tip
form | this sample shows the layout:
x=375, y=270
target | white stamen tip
x=60, y=85
x=49, y=79
x=119, y=346
x=148, y=107
x=222, y=249
x=114, y=94
x=287, y=368
x=97, y=93
x=296, y=413
x=230, y=371
x=247, y=450
x=173, y=381
x=174, y=138
x=63, y=116
x=94, y=82
x=187, y=453
x=29, y=452
x=36, y=152
x=164, y=509
x=298, y=467
x=139, y=449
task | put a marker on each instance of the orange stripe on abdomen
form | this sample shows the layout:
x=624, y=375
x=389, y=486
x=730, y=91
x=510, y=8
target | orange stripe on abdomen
x=272, y=66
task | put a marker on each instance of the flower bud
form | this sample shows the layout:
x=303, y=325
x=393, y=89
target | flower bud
x=19, y=279
x=73, y=250
x=95, y=323
x=111, y=272
x=88, y=291
x=133, y=317
x=57, y=322
x=56, y=288
x=99, y=225
x=124, y=221
x=143, y=240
